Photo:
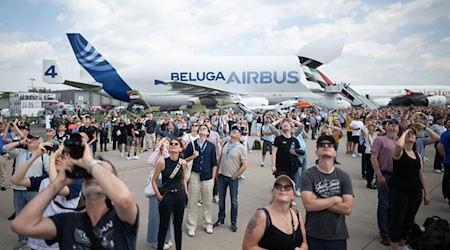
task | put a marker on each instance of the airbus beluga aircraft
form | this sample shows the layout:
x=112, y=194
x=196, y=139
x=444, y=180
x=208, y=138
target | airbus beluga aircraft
x=170, y=83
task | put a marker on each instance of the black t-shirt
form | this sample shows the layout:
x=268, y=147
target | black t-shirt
x=130, y=128
x=122, y=127
x=150, y=125
x=62, y=138
x=138, y=127
x=283, y=144
x=111, y=232
x=90, y=131
x=406, y=174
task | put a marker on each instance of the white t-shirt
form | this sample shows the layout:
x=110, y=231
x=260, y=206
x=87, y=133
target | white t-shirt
x=356, y=124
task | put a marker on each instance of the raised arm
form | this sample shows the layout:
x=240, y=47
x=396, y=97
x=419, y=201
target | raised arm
x=398, y=150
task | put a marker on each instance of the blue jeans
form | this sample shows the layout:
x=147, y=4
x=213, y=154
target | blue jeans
x=223, y=183
x=298, y=174
x=21, y=199
x=383, y=207
x=153, y=221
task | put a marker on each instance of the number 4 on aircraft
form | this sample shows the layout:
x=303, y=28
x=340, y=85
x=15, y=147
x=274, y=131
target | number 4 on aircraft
x=51, y=71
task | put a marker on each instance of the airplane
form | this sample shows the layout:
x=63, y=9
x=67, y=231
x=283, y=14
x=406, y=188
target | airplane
x=433, y=95
x=170, y=83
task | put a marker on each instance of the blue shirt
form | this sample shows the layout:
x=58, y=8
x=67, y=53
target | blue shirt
x=2, y=142
x=206, y=159
x=445, y=140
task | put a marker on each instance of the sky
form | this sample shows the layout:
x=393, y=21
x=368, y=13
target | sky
x=387, y=42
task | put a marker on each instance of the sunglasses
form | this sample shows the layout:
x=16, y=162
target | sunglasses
x=174, y=144
x=326, y=144
x=194, y=125
x=280, y=187
x=236, y=131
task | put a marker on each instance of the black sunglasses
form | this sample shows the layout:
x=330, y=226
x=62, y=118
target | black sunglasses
x=279, y=186
x=174, y=144
x=326, y=144
x=194, y=125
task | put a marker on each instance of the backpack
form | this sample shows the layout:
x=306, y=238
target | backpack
x=436, y=235
x=256, y=145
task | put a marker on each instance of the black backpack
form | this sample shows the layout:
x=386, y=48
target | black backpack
x=436, y=235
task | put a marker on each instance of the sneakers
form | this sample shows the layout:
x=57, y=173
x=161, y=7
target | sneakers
x=359, y=155
x=354, y=155
x=135, y=157
x=165, y=247
x=262, y=164
x=218, y=223
x=3, y=188
x=191, y=233
x=199, y=204
x=216, y=199
x=298, y=194
x=129, y=158
x=122, y=155
x=209, y=230
x=21, y=245
x=384, y=240
x=234, y=227
x=437, y=171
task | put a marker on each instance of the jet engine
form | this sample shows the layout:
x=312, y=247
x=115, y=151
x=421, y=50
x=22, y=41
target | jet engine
x=208, y=101
x=254, y=101
x=434, y=101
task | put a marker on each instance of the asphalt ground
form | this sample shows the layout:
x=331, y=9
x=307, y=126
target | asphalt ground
x=254, y=192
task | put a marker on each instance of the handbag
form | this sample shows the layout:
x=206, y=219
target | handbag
x=149, y=191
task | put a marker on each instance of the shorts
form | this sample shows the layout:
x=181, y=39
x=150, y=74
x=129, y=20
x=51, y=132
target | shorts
x=349, y=136
x=122, y=140
x=355, y=138
x=130, y=140
x=267, y=147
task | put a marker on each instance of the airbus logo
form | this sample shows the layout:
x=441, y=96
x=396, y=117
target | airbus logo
x=244, y=77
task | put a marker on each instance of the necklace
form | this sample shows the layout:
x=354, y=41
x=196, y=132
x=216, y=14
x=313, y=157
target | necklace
x=286, y=220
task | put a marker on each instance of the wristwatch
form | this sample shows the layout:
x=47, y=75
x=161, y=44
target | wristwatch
x=91, y=164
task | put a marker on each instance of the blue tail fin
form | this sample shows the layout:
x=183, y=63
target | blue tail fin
x=94, y=63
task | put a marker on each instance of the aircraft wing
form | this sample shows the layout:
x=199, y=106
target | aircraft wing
x=84, y=86
x=195, y=90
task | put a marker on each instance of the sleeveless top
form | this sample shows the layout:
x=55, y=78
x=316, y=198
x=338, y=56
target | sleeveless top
x=274, y=238
x=406, y=174
x=174, y=183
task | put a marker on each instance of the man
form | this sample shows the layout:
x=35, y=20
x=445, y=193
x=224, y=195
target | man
x=121, y=135
x=267, y=138
x=327, y=196
x=150, y=136
x=111, y=217
x=356, y=126
x=214, y=138
x=284, y=155
x=204, y=170
x=444, y=149
x=249, y=119
x=170, y=130
x=232, y=164
x=3, y=155
x=38, y=168
x=382, y=163
x=104, y=129
x=90, y=131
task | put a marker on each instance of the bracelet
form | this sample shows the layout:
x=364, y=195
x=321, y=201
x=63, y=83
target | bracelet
x=91, y=165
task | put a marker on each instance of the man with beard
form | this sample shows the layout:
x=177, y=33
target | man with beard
x=109, y=222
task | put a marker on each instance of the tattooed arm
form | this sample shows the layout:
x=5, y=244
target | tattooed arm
x=255, y=231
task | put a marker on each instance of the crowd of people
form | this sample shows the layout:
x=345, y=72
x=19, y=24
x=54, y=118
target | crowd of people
x=194, y=161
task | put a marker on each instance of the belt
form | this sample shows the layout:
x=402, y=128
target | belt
x=172, y=190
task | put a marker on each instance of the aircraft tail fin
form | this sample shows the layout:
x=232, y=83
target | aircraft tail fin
x=98, y=67
x=51, y=73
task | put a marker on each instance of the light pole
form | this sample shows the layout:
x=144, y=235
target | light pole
x=32, y=81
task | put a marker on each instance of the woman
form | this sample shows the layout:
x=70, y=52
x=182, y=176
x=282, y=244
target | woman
x=277, y=226
x=138, y=128
x=173, y=192
x=369, y=137
x=162, y=151
x=405, y=188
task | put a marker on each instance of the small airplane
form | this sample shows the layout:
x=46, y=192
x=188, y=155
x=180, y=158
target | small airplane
x=170, y=83
x=423, y=95
x=58, y=105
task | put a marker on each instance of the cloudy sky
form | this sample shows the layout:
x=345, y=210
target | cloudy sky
x=388, y=42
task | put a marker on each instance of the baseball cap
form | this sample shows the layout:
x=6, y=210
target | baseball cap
x=392, y=121
x=285, y=178
x=325, y=138
x=236, y=128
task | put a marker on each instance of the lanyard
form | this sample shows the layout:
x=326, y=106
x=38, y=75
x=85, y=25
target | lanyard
x=202, y=149
x=28, y=155
x=231, y=148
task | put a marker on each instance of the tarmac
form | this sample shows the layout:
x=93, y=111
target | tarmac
x=254, y=192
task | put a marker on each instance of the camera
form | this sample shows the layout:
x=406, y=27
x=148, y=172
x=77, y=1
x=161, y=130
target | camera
x=52, y=148
x=74, y=145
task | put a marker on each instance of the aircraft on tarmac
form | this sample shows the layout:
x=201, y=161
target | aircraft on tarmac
x=429, y=95
x=170, y=83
